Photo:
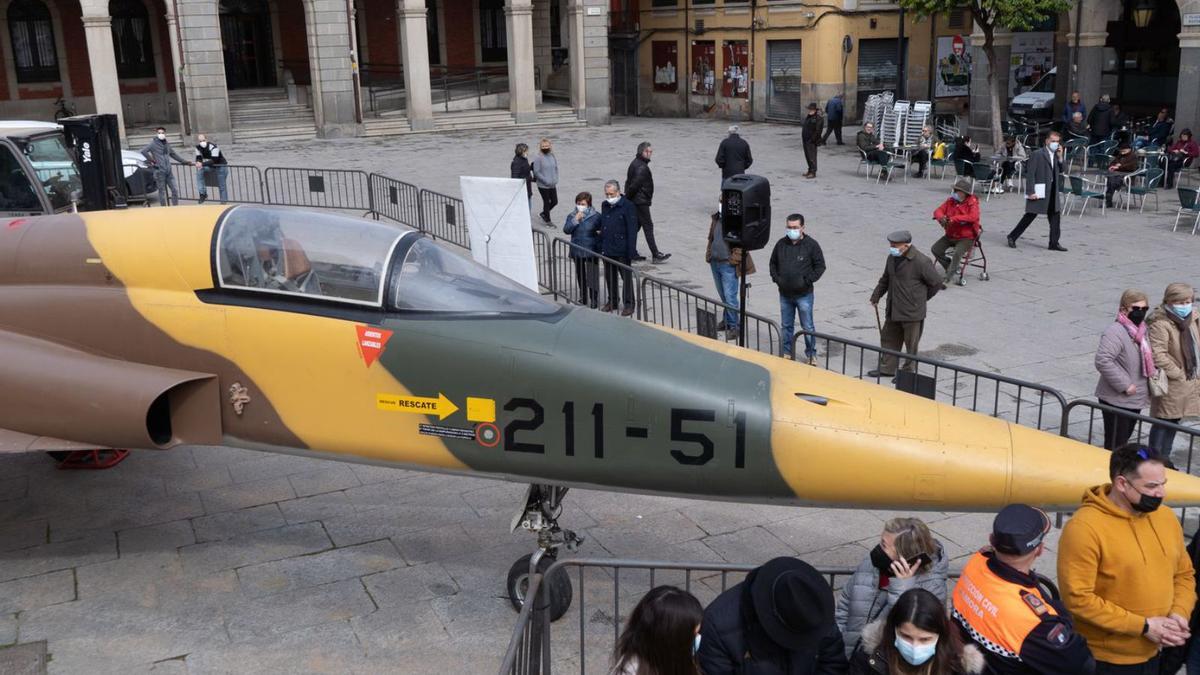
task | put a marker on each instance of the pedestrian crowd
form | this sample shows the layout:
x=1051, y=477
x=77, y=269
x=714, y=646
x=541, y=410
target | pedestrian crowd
x=1125, y=602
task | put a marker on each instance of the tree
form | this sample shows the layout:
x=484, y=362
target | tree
x=990, y=15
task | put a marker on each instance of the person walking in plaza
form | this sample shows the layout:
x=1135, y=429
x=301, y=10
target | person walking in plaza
x=999, y=604
x=1126, y=162
x=1099, y=120
x=1174, y=343
x=1073, y=106
x=583, y=224
x=916, y=638
x=1126, y=364
x=868, y=142
x=639, y=189
x=835, y=111
x=618, y=236
x=779, y=621
x=1125, y=574
x=1043, y=172
x=909, y=280
x=159, y=153
x=1180, y=155
x=924, y=147
x=906, y=557
x=545, y=173
x=522, y=169
x=725, y=261
x=210, y=162
x=797, y=263
x=661, y=635
x=733, y=154
x=959, y=218
x=1014, y=154
x=810, y=136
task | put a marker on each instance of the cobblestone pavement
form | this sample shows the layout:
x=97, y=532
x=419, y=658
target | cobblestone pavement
x=206, y=560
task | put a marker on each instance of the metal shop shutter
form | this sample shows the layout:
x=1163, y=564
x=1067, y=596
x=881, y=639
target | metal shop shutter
x=783, y=81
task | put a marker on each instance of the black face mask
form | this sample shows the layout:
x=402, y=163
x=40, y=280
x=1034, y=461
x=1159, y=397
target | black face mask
x=546, y=151
x=1146, y=503
x=1137, y=315
x=880, y=560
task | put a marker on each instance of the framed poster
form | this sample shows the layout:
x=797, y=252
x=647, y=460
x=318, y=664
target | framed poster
x=735, y=81
x=953, y=67
x=704, y=67
x=665, y=58
x=1032, y=57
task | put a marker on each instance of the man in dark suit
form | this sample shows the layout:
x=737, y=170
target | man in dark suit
x=1041, y=190
x=618, y=241
x=733, y=155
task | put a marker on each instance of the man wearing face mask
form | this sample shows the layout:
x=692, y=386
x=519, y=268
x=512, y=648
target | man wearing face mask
x=618, y=239
x=999, y=603
x=959, y=218
x=1126, y=576
x=1042, y=174
x=796, y=264
x=159, y=153
x=210, y=161
x=909, y=280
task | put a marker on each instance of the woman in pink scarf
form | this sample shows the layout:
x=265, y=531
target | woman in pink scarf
x=1125, y=364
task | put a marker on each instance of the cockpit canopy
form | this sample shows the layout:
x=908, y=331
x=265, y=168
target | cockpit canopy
x=342, y=259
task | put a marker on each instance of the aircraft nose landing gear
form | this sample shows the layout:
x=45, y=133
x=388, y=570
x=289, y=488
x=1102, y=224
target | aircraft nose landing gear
x=543, y=506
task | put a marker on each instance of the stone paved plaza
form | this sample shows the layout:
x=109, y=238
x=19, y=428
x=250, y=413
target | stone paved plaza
x=211, y=560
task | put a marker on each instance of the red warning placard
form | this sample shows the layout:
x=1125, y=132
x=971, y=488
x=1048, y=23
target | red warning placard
x=371, y=342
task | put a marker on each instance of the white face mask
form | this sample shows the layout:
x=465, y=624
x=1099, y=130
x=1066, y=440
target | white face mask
x=581, y=207
x=162, y=137
x=612, y=200
x=204, y=144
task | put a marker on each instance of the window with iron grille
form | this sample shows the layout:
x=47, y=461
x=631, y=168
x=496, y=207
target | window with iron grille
x=31, y=31
x=131, y=39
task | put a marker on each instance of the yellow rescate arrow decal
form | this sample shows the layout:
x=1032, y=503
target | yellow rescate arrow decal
x=441, y=406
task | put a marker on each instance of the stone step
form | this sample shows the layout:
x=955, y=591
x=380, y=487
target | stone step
x=275, y=120
x=278, y=134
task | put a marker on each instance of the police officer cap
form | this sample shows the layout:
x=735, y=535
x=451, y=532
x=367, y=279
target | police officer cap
x=900, y=237
x=1018, y=529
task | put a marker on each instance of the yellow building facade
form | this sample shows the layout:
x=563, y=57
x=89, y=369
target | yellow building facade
x=742, y=60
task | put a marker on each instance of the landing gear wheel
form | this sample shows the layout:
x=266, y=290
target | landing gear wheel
x=557, y=585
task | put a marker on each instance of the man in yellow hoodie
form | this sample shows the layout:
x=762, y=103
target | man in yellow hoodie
x=1125, y=574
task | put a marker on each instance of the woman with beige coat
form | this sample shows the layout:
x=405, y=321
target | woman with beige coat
x=1175, y=344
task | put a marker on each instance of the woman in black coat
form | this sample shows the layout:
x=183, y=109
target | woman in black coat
x=521, y=168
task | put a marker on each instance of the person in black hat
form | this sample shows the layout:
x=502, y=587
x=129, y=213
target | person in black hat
x=810, y=135
x=1012, y=613
x=909, y=280
x=779, y=620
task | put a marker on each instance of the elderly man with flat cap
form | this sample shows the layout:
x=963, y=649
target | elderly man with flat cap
x=779, y=620
x=1011, y=612
x=909, y=280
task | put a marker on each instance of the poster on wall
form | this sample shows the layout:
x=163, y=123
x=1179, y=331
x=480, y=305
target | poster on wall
x=1032, y=57
x=665, y=58
x=953, y=67
x=735, y=80
x=704, y=67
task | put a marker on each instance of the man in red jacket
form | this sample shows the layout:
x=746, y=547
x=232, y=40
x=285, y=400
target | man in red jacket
x=959, y=216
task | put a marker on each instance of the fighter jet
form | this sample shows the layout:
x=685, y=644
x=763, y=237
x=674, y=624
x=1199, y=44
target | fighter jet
x=325, y=335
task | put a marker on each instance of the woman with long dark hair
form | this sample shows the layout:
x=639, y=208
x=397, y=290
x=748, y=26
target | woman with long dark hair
x=916, y=639
x=661, y=636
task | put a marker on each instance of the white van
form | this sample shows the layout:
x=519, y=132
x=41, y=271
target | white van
x=1037, y=104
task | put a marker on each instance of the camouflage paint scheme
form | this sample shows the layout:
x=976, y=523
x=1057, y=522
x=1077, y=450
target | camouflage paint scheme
x=102, y=312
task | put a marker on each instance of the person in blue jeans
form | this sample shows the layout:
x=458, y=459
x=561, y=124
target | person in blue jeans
x=726, y=261
x=210, y=160
x=796, y=264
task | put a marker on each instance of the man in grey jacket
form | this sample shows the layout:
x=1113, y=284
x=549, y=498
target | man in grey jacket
x=159, y=153
x=909, y=280
x=545, y=172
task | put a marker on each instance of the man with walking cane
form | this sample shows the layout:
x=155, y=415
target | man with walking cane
x=909, y=280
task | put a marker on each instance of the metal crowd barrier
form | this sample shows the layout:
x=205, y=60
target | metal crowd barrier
x=676, y=307
x=320, y=188
x=1018, y=401
x=243, y=184
x=444, y=217
x=558, y=272
x=396, y=200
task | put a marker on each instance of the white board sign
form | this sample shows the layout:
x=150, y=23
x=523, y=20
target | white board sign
x=498, y=222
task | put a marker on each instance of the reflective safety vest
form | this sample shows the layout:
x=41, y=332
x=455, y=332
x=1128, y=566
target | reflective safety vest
x=996, y=613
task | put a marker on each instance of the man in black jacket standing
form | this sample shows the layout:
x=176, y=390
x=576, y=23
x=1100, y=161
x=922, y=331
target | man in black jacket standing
x=796, y=264
x=733, y=155
x=639, y=189
x=810, y=135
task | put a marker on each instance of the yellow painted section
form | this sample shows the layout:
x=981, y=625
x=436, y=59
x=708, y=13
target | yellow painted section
x=481, y=409
x=308, y=367
x=873, y=445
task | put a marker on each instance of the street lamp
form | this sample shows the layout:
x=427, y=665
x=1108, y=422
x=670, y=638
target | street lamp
x=1143, y=13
